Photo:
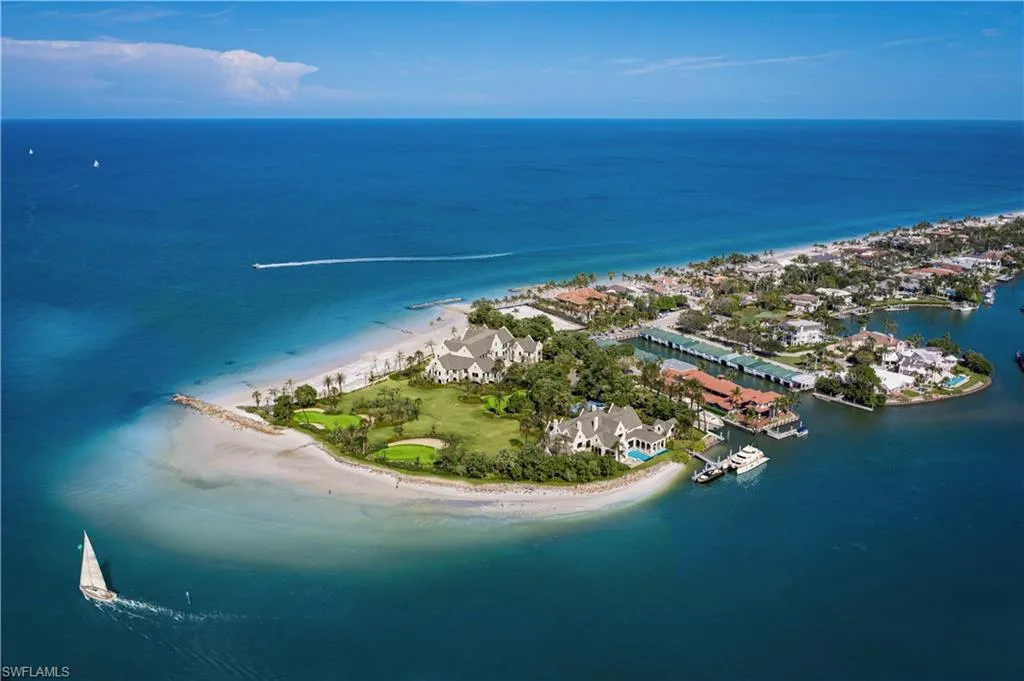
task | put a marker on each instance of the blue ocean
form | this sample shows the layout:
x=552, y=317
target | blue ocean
x=884, y=546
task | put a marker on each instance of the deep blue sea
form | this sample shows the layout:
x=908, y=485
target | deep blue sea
x=884, y=546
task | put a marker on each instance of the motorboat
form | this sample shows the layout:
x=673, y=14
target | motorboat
x=708, y=473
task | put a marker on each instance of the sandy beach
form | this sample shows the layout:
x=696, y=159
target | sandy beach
x=297, y=457
x=206, y=452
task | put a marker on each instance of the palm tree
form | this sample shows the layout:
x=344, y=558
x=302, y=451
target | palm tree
x=891, y=326
x=328, y=384
x=257, y=396
x=339, y=380
x=736, y=395
x=289, y=386
x=399, y=356
x=430, y=346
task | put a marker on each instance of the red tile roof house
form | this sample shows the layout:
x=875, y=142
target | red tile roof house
x=721, y=394
x=586, y=301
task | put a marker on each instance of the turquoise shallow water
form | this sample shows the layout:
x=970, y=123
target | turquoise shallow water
x=883, y=546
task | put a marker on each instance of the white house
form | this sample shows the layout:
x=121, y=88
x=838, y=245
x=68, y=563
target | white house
x=804, y=302
x=892, y=382
x=931, y=364
x=614, y=431
x=475, y=356
x=801, y=332
x=841, y=296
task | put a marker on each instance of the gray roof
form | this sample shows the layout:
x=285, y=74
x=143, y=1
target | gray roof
x=626, y=415
x=482, y=333
x=666, y=425
x=459, y=363
x=527, y=344
x=647, y=434
x=607, y=421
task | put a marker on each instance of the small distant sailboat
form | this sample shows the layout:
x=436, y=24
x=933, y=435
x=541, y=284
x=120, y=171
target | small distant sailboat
x=92, y=584
x=95, y=164
x=31, y=152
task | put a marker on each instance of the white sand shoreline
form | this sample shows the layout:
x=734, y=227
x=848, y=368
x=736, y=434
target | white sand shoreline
x=502, y=498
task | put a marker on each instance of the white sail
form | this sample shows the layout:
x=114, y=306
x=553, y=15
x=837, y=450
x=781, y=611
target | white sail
x=92, y=576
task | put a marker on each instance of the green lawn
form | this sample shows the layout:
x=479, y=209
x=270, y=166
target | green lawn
x=441, y=408
x=328, y=420
x=788, y=361
x=491, y=402
x=421, y=453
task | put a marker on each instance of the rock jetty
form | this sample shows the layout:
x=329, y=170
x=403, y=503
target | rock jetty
x=227, y=415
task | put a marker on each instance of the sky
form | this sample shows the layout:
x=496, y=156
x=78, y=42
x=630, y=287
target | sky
x=913, y=60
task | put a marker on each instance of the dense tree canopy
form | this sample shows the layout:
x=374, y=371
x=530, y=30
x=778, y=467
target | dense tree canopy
x=485, y=314
x=977, y=363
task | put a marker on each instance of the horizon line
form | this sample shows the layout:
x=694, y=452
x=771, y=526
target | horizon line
x=502, y=118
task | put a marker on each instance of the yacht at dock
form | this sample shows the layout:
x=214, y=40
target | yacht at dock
x=747, y=459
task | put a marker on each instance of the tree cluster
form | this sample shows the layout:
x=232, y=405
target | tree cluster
x=527, y=464
x=861, y=385
x=485, y=314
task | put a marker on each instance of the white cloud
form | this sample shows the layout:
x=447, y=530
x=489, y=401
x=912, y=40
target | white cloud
x=237, y=74
x=672, y=64
x=990, y=32
x=914, y=41
x=717, y=62
x=623, y=61
x=136, y=15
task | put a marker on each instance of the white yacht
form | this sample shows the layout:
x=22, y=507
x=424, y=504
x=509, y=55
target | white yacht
x=990, y=296
x=963, y=306
x=747, y=459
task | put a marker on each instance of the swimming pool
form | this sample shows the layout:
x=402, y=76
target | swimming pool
x=641, y=456
x=956, y=381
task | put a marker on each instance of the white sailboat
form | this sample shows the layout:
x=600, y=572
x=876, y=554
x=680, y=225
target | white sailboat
x=31, y=152
x=95, y=164
x=92, y=584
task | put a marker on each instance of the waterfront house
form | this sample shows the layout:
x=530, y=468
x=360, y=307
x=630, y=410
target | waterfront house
x=452, y=368
x=726, y=395
x=841, y=297
x=893, y=383
x=930, y=364
x=801, y=332
x=864, y=337
x=614, y=431
x=804, y=303
x=475, y=356
x=627, y=290
x=585, y=301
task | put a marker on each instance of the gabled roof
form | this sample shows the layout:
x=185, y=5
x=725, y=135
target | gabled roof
x=460, y=363
x=527, y=344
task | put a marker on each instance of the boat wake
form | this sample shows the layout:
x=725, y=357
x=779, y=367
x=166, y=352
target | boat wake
x=142, y=610
x=410, y=258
